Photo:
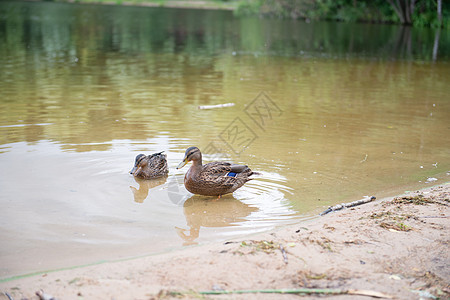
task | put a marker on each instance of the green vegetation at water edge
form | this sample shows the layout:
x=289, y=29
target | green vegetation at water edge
x=204, y=4
x=418, y=13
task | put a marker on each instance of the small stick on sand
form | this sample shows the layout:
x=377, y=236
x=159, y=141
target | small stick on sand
x=346, y=205
x=284, y=254
x=44, y=296
x=9, y=296
x=301, y=291
x=215, y=106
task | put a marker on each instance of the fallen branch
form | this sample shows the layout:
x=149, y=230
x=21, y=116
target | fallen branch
x=215, y=106
x=346, y=205
x=304, y=291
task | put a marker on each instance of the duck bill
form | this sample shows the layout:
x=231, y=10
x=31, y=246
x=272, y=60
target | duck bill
x=133, y=170
x=182, y=164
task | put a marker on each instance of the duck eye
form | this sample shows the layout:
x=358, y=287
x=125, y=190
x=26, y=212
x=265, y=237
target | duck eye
x=139, y=158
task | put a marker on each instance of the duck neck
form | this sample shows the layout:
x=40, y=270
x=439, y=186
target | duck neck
x=197, y=163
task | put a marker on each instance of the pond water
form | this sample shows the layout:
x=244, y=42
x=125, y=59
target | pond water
x=326, y=112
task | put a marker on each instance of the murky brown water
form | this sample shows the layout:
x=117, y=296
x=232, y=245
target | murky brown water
x=84, y=89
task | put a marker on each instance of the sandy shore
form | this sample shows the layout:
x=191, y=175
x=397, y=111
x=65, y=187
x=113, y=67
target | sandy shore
x=397, y=247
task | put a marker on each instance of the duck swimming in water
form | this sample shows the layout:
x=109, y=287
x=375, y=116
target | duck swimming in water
x=150, y=166
x=215, y=178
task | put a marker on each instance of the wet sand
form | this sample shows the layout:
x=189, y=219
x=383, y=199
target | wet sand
x=396, y=247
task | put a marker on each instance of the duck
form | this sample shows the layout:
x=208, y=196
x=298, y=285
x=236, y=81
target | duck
x=215, y=178
x=150, y=166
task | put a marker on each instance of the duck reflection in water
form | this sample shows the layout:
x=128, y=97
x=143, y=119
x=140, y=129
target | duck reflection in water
x=200, y=211
x=145, y=185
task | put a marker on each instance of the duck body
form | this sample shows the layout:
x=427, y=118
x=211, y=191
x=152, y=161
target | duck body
x=215, y=178
x=150, y=166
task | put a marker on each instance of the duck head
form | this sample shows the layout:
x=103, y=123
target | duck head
x=139, y=163
x=191, y=154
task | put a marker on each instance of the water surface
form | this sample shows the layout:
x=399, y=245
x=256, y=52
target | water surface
x=325, y=112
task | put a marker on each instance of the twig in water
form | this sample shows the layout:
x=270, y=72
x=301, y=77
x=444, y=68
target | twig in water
x=365, y=158
x=215, y=106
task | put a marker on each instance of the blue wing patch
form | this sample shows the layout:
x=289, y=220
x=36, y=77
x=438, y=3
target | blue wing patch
x=231, y=174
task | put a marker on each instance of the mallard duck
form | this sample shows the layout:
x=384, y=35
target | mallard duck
x=215, y=178
x=150, y=166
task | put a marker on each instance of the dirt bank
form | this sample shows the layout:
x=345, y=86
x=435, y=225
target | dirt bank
x=396, y=247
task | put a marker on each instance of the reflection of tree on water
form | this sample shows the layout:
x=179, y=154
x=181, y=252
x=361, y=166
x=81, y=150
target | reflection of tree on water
x=404, y=44
x=145, y=185
x=203, y=211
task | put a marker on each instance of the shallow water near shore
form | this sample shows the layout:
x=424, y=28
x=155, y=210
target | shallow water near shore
x=325, y=112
